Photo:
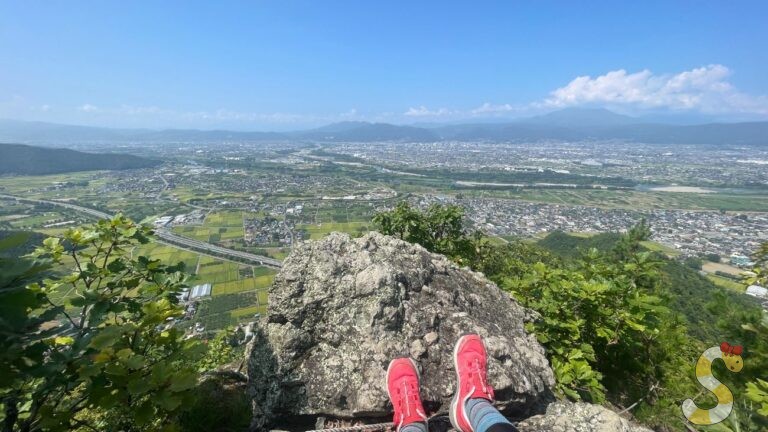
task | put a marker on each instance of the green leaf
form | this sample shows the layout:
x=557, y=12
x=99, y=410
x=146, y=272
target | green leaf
x=124, y=354
x=106, y=337
x=144, y=413
x=135, y=362
x=116, y=266
x=183, y=381
x=169, y=402
x=115, y=369
x=108, y=399
x=139, y=386
x=89, y=370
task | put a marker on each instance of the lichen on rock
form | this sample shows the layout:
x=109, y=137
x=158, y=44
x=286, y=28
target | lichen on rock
x=341, y=308
x=566, y=416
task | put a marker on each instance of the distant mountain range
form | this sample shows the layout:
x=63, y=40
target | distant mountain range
x=53, y=133
x=367, y=132
x=567, y=125
x=29, y=160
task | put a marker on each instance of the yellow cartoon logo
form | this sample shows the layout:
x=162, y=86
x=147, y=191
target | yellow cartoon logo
x=731, y=355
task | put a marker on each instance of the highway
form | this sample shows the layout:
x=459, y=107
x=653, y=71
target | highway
x=167, y=237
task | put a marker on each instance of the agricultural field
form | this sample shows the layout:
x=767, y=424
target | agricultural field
x=318, y=231
x=656, y=246
x=219, y=227
x=631, y=199
x=25, y=216
x=277, y=252
x=227, y=310
x=727, y=283
x=712, y=267
x=46, y=185
x=238, y=290
x=168, y=255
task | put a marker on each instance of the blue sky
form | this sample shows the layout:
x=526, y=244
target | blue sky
x=291, y=64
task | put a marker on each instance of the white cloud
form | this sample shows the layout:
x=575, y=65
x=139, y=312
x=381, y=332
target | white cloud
x=704, y=89
x=88, y=108
x=422, y=111
x=490, y=109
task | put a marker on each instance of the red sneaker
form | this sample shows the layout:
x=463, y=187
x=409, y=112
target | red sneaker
x=403, y=389
x=470, y=360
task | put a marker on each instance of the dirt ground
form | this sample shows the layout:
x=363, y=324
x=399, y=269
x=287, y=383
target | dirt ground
x=711, y=267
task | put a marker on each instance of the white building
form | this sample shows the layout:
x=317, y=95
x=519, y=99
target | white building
x=200, y=291
x=757, y=291
x=163, y=221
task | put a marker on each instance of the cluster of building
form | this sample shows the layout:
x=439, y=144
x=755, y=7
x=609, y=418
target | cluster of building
x=269, y=231
x=690, y=232
x=146, y=181
x=377, y=194
x=643, y=163
x=190, y=299
x=266, y=183
x=194, y=217
x=701, y=232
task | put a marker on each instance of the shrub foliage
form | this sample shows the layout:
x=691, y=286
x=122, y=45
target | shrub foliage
x=109, y=358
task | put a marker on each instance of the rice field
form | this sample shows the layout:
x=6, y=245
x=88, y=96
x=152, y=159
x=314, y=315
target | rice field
x=655, y=246
x=318, y=231
x=217, y=227
x=248, y=312
x=238, y=290
x=249, y=284
x=632, y=199
x=727, y=283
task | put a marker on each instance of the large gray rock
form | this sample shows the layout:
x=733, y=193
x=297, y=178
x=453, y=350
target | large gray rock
x=578, y=417
x=342, y=308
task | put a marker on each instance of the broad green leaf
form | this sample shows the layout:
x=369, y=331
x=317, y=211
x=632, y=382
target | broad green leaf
x=135, y=362
x=138, y=386
x=143, y=413
x=106, y=337
x=169, y=402
x=183, y=381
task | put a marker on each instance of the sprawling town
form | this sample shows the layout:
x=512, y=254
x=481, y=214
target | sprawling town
x=233, y=211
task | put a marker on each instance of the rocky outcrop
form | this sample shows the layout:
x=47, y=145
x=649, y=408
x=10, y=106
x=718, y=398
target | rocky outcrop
x=578, y=417
x=342, y=308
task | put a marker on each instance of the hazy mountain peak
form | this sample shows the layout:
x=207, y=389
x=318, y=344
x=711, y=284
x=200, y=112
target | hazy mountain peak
x=583, y=117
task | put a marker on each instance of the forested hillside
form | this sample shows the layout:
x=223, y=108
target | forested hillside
x=691, y=294
x=30, y=160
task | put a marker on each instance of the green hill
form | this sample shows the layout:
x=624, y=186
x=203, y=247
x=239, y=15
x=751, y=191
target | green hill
x=29, y=160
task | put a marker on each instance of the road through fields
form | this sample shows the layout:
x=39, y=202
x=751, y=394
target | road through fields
x=170, y=238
